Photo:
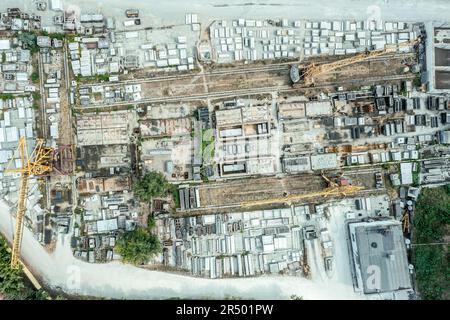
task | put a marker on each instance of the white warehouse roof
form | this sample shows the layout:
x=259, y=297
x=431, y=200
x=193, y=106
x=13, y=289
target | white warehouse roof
x=5, y=44
x=324, y=161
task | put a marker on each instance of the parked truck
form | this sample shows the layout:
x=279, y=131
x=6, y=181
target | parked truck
x=132, y=13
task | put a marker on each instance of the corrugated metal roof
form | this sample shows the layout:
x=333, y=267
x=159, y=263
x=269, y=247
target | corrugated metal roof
x=324, y=161
x=406, y=173
x=106, y=225
x=381, y=250
x=5, y=44
x=12, y=134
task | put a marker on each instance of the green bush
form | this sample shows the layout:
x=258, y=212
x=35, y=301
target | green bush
x=151, y=223
x=176, y=196
x=417, y=81
x=79, y=210
x=36, y=96
x=103, y=77
x=431, y=272
x=57, y=35
x=6, y=96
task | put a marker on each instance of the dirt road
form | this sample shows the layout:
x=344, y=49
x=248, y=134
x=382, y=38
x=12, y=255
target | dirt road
x=235, y=192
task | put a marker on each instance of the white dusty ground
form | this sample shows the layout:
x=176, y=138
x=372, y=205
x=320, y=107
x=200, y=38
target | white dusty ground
x=115, y=280
x=173, y=11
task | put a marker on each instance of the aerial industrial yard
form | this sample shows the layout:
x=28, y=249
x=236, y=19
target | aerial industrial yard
x=187, y=153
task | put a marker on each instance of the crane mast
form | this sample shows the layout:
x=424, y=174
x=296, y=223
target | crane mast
x=38, y=163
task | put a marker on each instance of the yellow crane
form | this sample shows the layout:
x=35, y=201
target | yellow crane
x=38, y=163
x=313, y=70
x=405, y=222
x=334, y=189
x=348, y=148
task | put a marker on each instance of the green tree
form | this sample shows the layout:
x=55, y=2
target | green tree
x=138, y=246
x=152, y=184
x=12, y=283
x=35, y=77
x=29, y=41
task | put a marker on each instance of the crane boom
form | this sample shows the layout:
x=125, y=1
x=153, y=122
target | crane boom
x=334, y=189
x=328, y=192
x=39, y=162
x=311, y=71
